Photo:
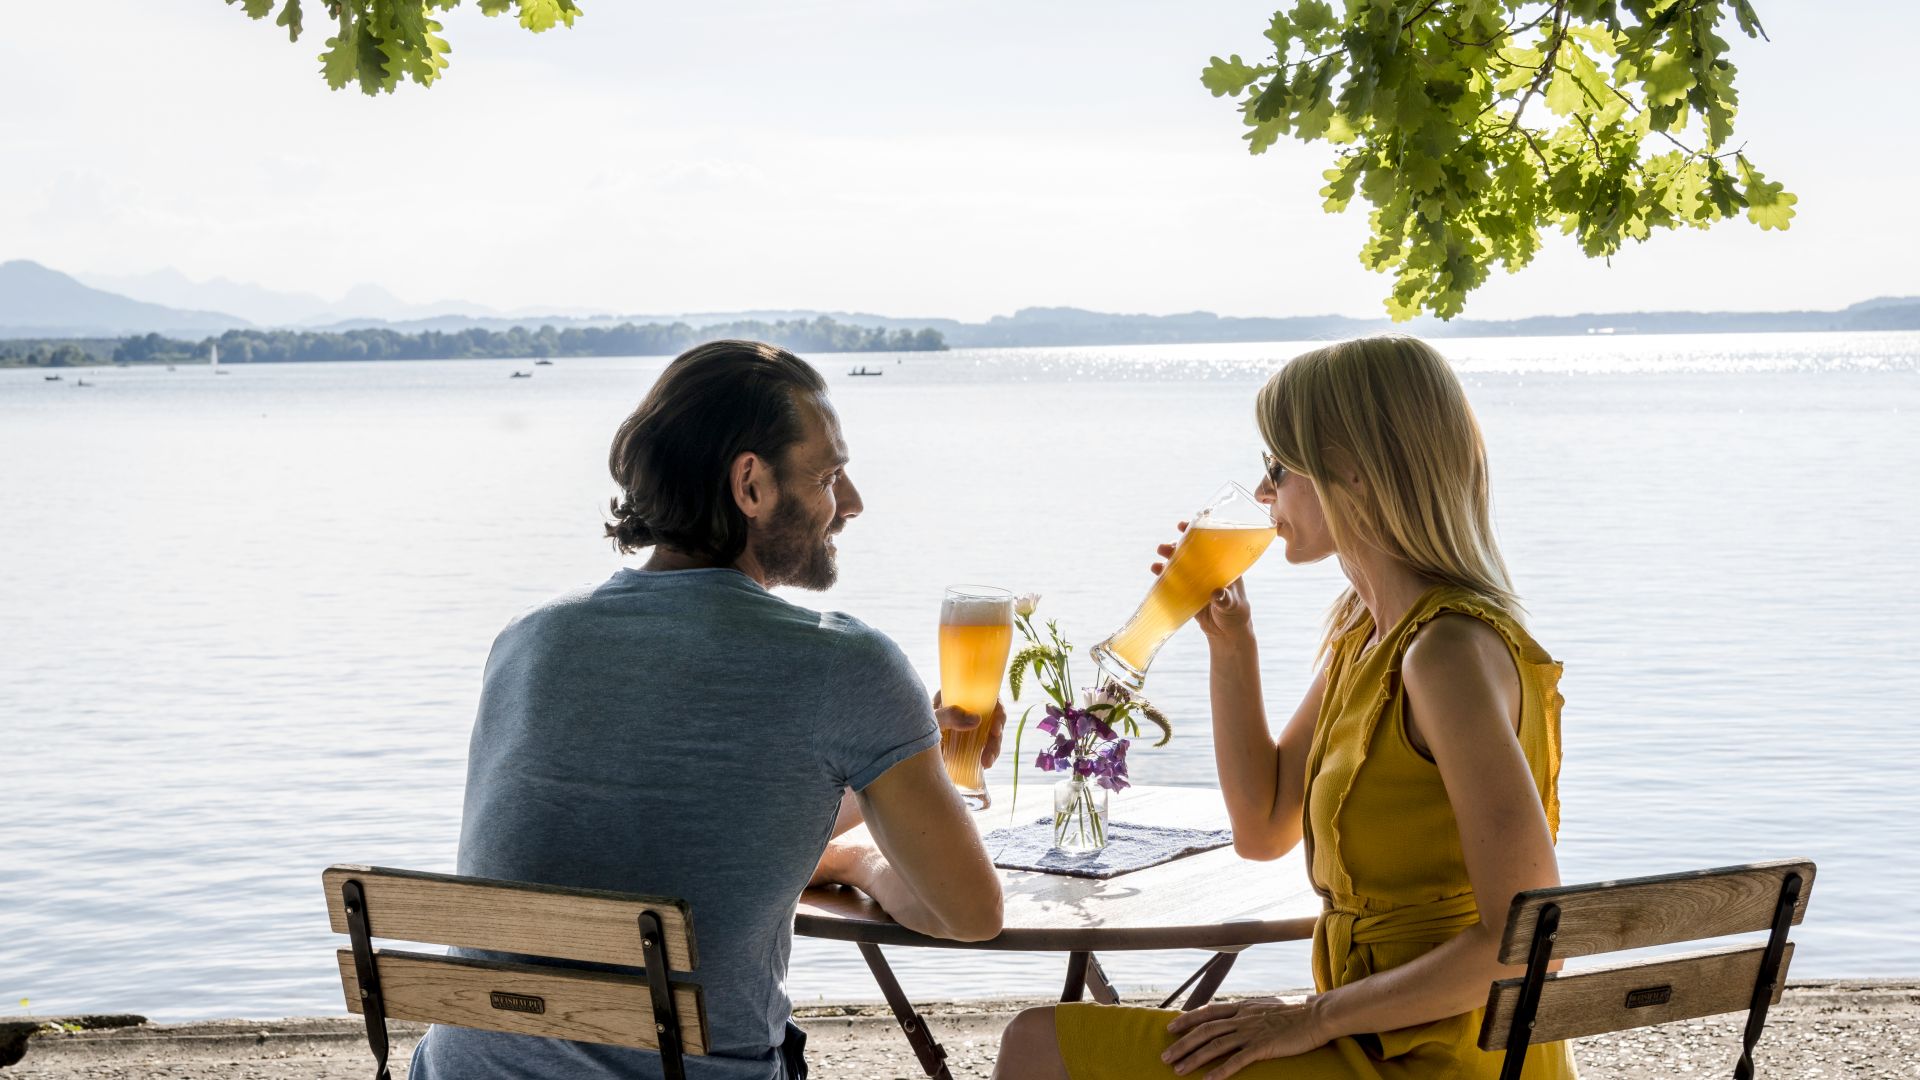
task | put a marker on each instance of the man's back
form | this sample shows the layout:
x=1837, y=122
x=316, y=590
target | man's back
x=683, y=734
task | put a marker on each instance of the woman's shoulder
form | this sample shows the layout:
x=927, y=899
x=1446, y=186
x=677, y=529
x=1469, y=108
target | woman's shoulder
x=1452, y=645
x=1452, y=622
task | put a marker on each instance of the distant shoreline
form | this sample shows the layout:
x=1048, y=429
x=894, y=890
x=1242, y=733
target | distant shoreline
x=627, y=339
x=98, y=351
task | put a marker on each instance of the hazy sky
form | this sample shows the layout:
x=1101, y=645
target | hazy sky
x=901, y=157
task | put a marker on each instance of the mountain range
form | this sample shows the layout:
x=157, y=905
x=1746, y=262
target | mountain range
x=39, y=302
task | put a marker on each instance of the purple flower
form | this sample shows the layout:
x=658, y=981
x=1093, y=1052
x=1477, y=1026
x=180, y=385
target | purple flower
x=1083, y=767
x=1103, y=729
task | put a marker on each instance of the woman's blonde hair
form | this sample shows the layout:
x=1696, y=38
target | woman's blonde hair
x=1390, y=410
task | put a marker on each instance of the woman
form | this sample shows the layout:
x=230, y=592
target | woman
x=1420, y=769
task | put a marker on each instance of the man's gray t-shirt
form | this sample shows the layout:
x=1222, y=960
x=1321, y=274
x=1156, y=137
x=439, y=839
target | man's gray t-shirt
x=683, y=734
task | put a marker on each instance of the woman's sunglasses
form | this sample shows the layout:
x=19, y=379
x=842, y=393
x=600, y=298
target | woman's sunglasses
x=1276, y=472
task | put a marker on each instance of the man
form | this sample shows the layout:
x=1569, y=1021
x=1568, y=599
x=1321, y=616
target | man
x=678, y=730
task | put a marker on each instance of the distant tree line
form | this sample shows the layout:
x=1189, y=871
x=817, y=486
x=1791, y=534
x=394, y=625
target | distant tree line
x=628, y=339
x=56, y=352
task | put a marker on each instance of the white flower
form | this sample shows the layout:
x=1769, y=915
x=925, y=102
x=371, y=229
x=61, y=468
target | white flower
x=1110, y=693
x=1025, y=603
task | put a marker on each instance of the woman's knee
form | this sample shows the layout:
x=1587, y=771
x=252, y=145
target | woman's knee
x=1029, y=1050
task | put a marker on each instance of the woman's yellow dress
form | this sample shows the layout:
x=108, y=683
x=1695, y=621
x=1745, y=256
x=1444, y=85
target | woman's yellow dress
x=1384, y=852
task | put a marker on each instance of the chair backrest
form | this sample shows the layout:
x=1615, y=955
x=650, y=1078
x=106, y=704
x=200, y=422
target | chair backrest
x=1544, y=925
x=588, y=926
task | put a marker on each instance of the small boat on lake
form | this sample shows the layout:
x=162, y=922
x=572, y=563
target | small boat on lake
x=543, y=363
x=864, y=371
x=56, y=378
x=81, y=382
x=521, y=375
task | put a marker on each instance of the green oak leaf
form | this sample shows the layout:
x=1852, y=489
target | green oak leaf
x=1668, y=79
x=1311, y=19
x=1339, y=190
x=1523, y=65
x=1230, y=76
x=543, y=15
x=290, y=18
x=370, y=61
x=1769, y=205
x=341, y=62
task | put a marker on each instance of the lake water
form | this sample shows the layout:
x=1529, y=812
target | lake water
x=243, y=618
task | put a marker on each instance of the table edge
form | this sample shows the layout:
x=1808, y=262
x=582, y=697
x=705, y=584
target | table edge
x=1070, y=939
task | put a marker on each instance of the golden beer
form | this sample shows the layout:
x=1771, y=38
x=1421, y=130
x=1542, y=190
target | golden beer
x=976, y=635
x=1218, y=547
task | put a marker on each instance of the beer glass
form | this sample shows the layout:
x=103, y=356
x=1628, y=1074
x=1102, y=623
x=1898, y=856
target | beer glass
x=976, y=634
x=1225, y=538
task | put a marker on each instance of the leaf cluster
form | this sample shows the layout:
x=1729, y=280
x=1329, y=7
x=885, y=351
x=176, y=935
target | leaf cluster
x=1471, y=125
x=380, y=42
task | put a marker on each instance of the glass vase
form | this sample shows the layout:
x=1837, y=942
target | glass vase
x=1079, y=816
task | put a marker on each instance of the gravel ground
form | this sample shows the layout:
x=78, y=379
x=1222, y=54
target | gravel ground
x=1825, y=1030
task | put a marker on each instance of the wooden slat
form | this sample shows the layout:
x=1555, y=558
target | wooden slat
x=588, y=925
x=1596, y=1001
x=585, y=1006
x=1636, y=913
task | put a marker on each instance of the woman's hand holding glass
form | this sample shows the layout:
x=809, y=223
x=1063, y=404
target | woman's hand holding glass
x=1227, y=614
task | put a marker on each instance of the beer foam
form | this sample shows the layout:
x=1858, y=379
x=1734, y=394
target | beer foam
x=976, y=611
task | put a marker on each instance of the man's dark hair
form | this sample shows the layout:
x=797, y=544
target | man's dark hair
x=671, y=457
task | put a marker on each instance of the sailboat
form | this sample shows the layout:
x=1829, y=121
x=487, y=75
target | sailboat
x=214, y=352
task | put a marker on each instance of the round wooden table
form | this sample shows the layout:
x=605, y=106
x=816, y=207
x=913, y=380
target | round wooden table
x=1213, y=900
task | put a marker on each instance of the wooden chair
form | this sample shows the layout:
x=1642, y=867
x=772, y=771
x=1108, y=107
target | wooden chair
x=650, y=1012
x=1581, y=920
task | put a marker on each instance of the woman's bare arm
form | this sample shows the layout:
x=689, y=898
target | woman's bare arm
x=1263, y=780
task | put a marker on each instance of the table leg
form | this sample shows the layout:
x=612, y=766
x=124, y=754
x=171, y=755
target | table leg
x=1076, y=987
x=1098, y=984
x=1215, y=974
x=933, y=1056
x=1210, y=976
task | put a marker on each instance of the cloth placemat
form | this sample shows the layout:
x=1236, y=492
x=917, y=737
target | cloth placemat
x=1129, y=847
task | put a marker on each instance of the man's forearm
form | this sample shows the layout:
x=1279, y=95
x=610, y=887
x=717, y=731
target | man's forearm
x=868, y=870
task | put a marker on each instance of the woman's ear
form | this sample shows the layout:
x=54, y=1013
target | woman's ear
x=1345, y=469
x=751, y=479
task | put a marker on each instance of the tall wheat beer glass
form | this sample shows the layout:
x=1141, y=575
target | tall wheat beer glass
x=1226, y=537
x=976, y=633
